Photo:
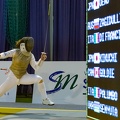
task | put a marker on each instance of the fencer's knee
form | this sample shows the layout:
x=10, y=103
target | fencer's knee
x=41, y=81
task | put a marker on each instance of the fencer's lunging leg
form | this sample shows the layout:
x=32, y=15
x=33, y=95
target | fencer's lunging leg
x=42, y=89
x=7, y=85
x=31, y=79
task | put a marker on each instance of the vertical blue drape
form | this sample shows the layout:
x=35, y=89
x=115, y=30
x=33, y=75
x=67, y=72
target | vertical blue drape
x=2, y=30
x=39, y=24
x=69, y=30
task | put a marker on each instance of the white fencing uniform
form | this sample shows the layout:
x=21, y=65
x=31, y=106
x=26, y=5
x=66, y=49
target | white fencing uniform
x=17, y=73
x=26, y=79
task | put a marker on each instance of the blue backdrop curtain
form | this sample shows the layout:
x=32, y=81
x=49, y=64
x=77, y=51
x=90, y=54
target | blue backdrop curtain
x=39, y=26
x=2, y=31
x=69, y=41
x=69, y=30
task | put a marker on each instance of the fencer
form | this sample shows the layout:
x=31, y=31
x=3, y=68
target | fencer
x=17, y=73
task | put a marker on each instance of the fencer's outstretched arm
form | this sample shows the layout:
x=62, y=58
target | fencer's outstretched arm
x=37, y=64
x=7, y=54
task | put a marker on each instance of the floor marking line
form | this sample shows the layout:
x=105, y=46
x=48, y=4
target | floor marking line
x=43, y=109
x=5, y=112
x=12, y=108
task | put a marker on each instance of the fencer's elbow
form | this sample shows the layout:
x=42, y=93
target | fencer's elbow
x=36, y=68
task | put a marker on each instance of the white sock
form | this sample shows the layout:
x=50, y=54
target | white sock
x=42, y=90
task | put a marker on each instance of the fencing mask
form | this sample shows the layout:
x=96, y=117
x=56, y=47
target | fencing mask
x=27, y=44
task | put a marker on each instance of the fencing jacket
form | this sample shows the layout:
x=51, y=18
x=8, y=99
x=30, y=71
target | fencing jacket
x=21, y=61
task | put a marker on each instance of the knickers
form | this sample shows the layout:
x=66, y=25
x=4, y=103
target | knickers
x=26, y=79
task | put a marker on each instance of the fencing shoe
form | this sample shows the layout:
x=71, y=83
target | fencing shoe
x=47, y=101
